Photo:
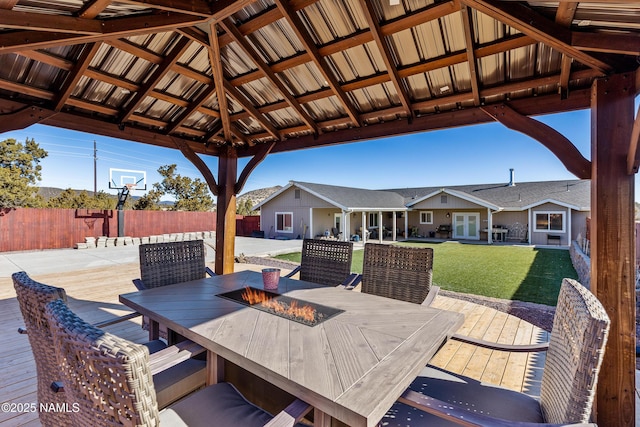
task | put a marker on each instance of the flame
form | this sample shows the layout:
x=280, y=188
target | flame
x=255, y=296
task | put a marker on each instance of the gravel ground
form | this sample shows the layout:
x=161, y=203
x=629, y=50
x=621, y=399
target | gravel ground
x=536, y=314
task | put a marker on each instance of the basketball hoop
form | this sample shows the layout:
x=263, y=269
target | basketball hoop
x=130, y=186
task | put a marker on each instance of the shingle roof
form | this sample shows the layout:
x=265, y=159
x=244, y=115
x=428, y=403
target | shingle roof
x=573, y=193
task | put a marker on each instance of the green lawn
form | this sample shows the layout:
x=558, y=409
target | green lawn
x=507, y=272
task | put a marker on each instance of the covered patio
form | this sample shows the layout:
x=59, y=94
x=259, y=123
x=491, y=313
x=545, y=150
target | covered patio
x=243, y=79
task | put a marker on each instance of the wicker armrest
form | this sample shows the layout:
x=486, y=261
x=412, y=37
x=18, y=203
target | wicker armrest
x=465, y=417
x=523, y=348
x=433, y=293
x=293, y=272
x=139, y=284
x=102, y=324
x=209, y=271
x=290, y=415
x=352, y=281
x=171, y=356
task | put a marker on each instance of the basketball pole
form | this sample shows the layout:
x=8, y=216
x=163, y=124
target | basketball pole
x=95, y=169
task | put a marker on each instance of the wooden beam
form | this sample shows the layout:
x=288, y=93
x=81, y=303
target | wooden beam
x=248, y=106
x=204, y=95
x=87, y=55
x=197, y=7
x=92, y=8
x=620, y=44
x=215, y=58
x=16, y=41
x=46, y=22
x=172, y=57
x=231, y=29
x=392, y=70
x=467, y=20
x=226, y=210
x=559, y=145
x=525, y=19
x=564, y=17
x=23, y=118
x=305, y=39
x=633, y=158
x=48, y=58
x=265, y=149
x=613, y=269
x=198, y=163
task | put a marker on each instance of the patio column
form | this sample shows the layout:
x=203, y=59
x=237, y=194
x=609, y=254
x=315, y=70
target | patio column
x=406, y=225
x=226, y=211
x=394, y=225
x=364, y=227
x=311, y=233
x=612, y=242
x=380, y=226
x=489, y=226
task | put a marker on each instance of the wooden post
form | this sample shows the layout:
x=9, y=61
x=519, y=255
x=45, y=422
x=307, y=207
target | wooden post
x=226, y=211
x=612, y=243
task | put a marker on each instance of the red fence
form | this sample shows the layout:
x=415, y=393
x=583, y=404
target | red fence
x=29, y=229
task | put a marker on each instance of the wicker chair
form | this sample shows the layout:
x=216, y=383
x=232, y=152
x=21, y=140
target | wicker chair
x=163, y=264
x=172, y=382
x=327, y=262
x=399, y=272
x=574, y=355
x=110, y=383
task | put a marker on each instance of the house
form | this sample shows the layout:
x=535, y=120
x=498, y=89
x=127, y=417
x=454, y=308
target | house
x=540, y=213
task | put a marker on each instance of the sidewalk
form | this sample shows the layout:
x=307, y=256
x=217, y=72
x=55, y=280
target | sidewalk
x=61, y=260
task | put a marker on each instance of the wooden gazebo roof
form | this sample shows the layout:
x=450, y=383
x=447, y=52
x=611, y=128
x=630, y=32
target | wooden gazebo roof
x=250, y=77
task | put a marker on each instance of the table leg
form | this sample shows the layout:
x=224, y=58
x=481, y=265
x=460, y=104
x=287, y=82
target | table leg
x=215, y=368
x=154, y=330
x=321, y=419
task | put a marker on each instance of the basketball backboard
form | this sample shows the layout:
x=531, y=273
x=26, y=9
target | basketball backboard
x=134, y=179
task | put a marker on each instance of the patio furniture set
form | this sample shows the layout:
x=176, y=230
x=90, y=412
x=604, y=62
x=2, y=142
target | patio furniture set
x=359, y=359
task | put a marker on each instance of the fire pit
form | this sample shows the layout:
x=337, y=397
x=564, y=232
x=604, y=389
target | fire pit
x=305, y=312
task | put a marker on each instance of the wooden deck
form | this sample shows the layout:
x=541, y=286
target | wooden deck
x=93, y=294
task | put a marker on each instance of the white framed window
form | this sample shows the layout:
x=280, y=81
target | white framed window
x=426, y=217
x=284, y=222
x=373, y=219
x=549, y=221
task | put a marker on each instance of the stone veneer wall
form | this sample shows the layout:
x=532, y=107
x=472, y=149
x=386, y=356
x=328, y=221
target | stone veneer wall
x=582, y=264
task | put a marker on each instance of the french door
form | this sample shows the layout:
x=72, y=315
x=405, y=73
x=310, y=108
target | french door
x=466, y=225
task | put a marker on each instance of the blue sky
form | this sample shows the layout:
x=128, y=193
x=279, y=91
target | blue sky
x=466, y=155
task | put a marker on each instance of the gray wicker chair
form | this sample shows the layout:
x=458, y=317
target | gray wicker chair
x=173, y=381
x=399, y=272
x=327, y=262
x=163, y=264
x=574, y=355
x=110, y=383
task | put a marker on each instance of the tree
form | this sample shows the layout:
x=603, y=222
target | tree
x=149, y=201
x=19, y=172
x=190, y=194
x=245, y=208
x=71, y=199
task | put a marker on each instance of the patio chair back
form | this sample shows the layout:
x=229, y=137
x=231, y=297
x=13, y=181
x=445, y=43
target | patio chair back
x=106, y=377
x=163, y=264
x=576, y=349
x=397, y=272
x=327, y=262
x=32, y=298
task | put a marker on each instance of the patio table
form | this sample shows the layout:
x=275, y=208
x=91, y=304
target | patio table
x=351, y=367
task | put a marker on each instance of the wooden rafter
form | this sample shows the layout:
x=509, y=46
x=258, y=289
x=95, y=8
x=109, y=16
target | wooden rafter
x=633, y=158
x=231, y=29
x=162, y=69
x=89, y=52
x=93, y=8
x=467, y=20
x=253, y=111
x=385, y=52
x=558, y=144
x=22, y=118
x=43, y=22
x=192, y=108
x=218, y=78
x=7, y=4
x=528, y=21
x=15, y=41
x=607, y=42
x=305, y=39
x=564, y=17
x=197, y=7
x=198, y=163
x=253, y=163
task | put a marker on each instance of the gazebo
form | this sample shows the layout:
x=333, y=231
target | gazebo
x=242, y=79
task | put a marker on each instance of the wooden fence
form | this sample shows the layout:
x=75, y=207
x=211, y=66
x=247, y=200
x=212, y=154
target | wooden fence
x=32, y=229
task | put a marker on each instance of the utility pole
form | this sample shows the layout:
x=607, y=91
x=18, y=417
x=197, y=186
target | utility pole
x=95, y=169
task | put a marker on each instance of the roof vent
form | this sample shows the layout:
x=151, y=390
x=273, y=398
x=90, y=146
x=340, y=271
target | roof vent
x=512, y=182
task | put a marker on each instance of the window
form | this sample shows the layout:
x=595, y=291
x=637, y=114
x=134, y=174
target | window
x=443, y=199
x=426, y=217
x=296, y=193
x=284, y=222
x=373, y=220
x=549, y=221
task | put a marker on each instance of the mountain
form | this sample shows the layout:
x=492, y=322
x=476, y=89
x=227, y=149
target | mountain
x=256, y=196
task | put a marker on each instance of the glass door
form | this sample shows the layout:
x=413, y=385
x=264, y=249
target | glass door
x=465, y=226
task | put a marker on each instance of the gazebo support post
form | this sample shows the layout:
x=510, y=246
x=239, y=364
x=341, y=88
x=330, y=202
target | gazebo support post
x=613, y=243
x=226, y=211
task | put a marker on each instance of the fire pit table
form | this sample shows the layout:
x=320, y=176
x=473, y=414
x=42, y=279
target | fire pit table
x=352, y=366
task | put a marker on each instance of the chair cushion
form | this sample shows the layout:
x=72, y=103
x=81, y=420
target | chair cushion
x=217, y=405
x=179, y=380
x=466, y=392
